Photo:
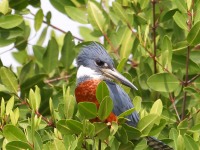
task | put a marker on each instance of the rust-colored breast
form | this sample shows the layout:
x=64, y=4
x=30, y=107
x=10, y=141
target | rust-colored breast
x=86, y=92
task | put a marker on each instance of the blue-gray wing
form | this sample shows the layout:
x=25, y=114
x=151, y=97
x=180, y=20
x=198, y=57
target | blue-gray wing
x=122, y=102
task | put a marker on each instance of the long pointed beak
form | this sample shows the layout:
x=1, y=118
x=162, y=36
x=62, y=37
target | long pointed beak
x=114, y=74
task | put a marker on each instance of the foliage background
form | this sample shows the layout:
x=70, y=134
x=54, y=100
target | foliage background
x=38, y=107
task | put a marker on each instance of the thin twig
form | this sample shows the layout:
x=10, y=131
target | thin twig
x=193, y=79
x=174, y=106
x=154, y=32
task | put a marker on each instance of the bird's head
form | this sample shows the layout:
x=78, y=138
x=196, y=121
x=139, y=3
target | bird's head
x=94, y=63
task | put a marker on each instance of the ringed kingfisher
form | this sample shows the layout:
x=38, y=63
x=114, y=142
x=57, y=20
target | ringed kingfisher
x=94, y=66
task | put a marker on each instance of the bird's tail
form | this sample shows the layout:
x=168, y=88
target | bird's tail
x=156, y=144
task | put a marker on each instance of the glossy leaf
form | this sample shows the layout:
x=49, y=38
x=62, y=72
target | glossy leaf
x=10, y=21
x=102, y=91
x=13, y=133
x=194, y=34
x=163, y=82
x=9, y=79
x=97, y=17
x=38, y=19
x=17, y=145
x=180, y=20
x=105, y=108
x=50, y=58
x=88, y=110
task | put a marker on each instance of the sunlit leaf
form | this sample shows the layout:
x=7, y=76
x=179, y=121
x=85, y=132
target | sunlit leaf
x=157, y=107
x=180, y=20
x=97, y=16
x=9, y=79
x=10, y=21
x=38, y=19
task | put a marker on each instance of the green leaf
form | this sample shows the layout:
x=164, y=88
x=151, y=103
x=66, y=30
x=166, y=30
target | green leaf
x=9, y=105
x=102, y=91
x=146, y=123
x=180, y=20
x=37, y=141
x=163, y=82
x=122, y=136
x=13, y=133
x=195, y=128
x=68, y=52
x=61, y=125
x=31, y=82
x=180, y=143
x=181, y=6
x=77, y=14
x=75, y=126
x=42, y=37
x=50, y=58
x=127, y=44
x=190, y=144
x=157, y=107
x=121, y=64
x=194, y=34
x=3, y=107
x=88, y=110
x=132, y=133
x=38, y=19
x=105, y=108
x=26, y=72
x=97, y=17
x=11, y=33
x=10, y=21
x=17, y=145
x=137, y=103
x=69, y=104
x=101, y=130
x=9, y=79
x=179, y=61
x=126, y=146
x=127, y=112
x=4, y=7
x=120, y=12
x=173, y=134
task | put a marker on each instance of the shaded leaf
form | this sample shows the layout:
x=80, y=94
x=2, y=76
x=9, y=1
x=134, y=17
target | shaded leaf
x=17, y=145
x=163, y=82
x=102, y=91
x=87, y=109
x=68, y=53
x=75, y=126
x=105, y=108
x=194, y=34
x=50, y=58
x=101, y=130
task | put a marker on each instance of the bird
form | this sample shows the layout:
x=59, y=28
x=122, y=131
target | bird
x=95, y=65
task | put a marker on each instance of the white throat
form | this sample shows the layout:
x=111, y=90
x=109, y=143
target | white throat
x=87, y=72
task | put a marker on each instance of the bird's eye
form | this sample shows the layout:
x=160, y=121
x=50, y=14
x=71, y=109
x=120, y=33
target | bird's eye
x=100, y=63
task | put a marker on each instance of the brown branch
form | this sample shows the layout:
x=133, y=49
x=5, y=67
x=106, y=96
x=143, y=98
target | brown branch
x=154, y=32
x=174, y=106
x=193, y=79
